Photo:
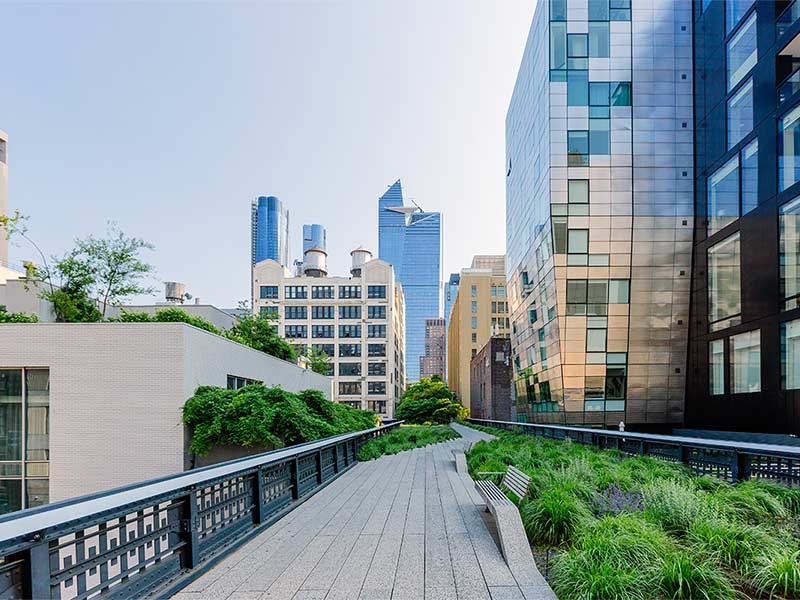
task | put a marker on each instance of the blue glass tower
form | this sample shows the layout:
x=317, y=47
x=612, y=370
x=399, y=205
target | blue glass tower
x=411, y=240
x=314, y=236
x=269, y=222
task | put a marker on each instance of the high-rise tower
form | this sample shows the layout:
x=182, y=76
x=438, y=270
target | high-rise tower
x=269, y=222
x=314, y=236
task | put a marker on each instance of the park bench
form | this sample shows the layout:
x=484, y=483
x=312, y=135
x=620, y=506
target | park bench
x=514, y=481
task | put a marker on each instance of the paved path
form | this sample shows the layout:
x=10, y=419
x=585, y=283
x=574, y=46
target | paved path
x=403, y=527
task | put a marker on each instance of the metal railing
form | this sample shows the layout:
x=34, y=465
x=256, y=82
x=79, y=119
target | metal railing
x=787, y=18
x=788, y=87
x=730, y=460
x=154, y=537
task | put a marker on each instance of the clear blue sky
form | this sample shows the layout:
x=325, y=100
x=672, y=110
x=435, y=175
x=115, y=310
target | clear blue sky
x=169, y=118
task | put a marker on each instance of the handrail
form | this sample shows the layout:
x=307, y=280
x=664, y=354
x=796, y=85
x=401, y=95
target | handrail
x=143, y=535
x=787, y=18
x=728, y=459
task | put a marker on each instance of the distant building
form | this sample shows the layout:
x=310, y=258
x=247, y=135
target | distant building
x=411, y=240
x=480, y=311
x=3, y=196
x=433, y=361
x=86, y=407
x=358, y=321
x=491, y=378
x=450, y=293
x=314, y=236
x=269, y=222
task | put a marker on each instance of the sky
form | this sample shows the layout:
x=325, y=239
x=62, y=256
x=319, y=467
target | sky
x=167, y=119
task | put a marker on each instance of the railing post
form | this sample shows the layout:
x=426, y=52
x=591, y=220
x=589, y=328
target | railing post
x=335, y=454
x=684, y=454
x=642, y=447
x=294, y=471
x=319, y=467
x=740, y=467
x=189, y=531
x=258, y=496
x=38, y=576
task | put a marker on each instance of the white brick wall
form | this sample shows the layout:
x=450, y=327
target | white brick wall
x=116, y=392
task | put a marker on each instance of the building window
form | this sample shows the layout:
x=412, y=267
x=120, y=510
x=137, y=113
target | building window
x=349, y=291
x=295, y=312
x=473, y=307
x=268, y=311
x=746, y=362
x=740, y=114
x=326, y=348
x=295, y=292
x=376, y=388
x=349, y=388
x=726, y=199
x=348, y=369
x=322, y=331
x=376, y=312
x=322, y=312
x=376, y=369
x=474, y=323
x=716, y=367
x=789, y=148
x=474, y=291
x=742, y=52
x=322, y=292
x=789, y=224
x=599, y=136
x=724, y=283
x=618, y=291
x=349, y=312
x=599, y=39
x=349, y=350
x=376, y=350
x=3, y=151
x=558, y=10
x=474, y=338
x=376, y=331
x=24, y=437
x=734, y=11
x=295, y=331
x=235, y=382
x=578, y=148
x=577, y=88
x=577, y=247
x=596, y=340
x=577, y=51
x=376, y=291
x=349, y=331
x=790, y=355
x=268, y=292
x=578, y=191
x=621, y=93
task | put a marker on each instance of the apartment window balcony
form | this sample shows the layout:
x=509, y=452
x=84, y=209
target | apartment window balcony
x=787, y=18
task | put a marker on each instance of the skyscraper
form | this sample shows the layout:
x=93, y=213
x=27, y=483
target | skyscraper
x=599, y=212
x=450, y=293
x=433, y=361
x=411, y=240
x=3, y=194
x=269, y=222
x=314, y=236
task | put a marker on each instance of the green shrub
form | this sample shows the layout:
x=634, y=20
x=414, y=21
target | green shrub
x=554, y=517
x=687, y=576
x=734, y=545
x=7, y=317
x=779, y=574
x=578, y=576
x=751, y=502
x=429, y=401
x=166, y=315
x=674, y=505
x=256, y=415
x=406, y=437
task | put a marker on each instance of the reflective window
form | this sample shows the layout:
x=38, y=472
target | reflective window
x=346, y=350
x=293, y=292
x=376, y=312
x=350, y=331
x=578, y=191
x=376, y=387
x=746, y=362
x=558, y=45
x=789, y=223
x=268, y=292
x=349, y=388
x=376, y=331
x=578, y=241
x=558, y=10
x=749, y=160
x=474, y=291
x=724, y=282
x=742, y=52
x=474, y=306
x=621, y=93
x=474, y=323
x=349, y=291
x=599, y=136
x=595, y=340
x=789, y=148
x=295, y=312
x=322, y=331
x=268, y=311
x=598, y=10
x=322, y=291
x=577, y=88
x=295, y=331
x=599, y=39
x=734, y=11
x=578, y=148
x=350, y=369
x=376, y=350
x=322, y=312
x=723, y=196
x=618, y=291
x=349, y=312
x=376, y=369
x=376, y=291
x=716, y=367
x=740, y=114
x=790, y=355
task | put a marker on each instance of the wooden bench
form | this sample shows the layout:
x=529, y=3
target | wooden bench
x=513, y=541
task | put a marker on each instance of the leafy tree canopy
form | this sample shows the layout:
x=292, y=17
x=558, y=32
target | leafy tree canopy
x=7, y=317
x=318, y=361
x=260, y=332
x=430, y=401
x=167, y=315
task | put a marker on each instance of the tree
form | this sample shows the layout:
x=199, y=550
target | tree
x=70, y=297
x=261, y=332
x=318, y=361
x=430, y=400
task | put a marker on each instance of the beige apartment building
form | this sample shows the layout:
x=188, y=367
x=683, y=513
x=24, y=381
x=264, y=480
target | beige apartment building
x=480, y=311
x=358, y=321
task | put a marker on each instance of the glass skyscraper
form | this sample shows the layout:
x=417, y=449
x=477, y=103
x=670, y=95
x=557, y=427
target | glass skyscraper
x=599, y=212
x=269, y=222
x=314, y=236
x=411, y=240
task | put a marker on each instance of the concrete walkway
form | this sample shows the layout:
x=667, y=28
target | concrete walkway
x=403, y=527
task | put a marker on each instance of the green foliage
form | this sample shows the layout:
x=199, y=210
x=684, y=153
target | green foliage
x=318, y=361
x=406, y=437
x=427, y=389
x=256, y=415
x=430, y=401
x=260, y=332
x=641, y=528
x=7, y=317
x=167, y=315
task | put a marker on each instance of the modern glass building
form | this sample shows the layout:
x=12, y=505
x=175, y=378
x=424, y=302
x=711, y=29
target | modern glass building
x=314, y=236
x=744, y=353
x=450, y=293
x=599, y=212
x=411, y=240
x=269, y=237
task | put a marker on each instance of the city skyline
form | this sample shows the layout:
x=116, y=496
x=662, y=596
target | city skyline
x=182, y=174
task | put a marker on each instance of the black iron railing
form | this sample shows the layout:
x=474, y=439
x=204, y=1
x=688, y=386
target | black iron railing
x=730, y=460
x=154, y=537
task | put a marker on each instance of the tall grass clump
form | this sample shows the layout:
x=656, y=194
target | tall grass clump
x=687, y=576
x=674, y=505
x=406, y=437
x=554, y=517
x=779, y=574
